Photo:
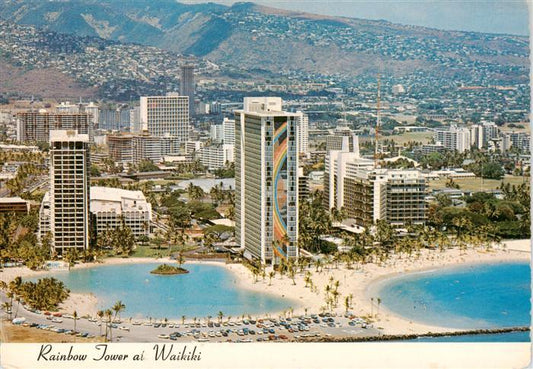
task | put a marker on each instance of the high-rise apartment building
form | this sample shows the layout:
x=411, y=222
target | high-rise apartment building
x=166, y=116
x=187, y=86
x=35, y=126
x=145, y=147
x=482, y=134
x=224, y=132
x=120, y=148
x=216, y=156
x=303, y=132
x=228, y=131
x=342, y=139
x=135, y=120
x=454, y=138
x=69, y=190
x=266, y=171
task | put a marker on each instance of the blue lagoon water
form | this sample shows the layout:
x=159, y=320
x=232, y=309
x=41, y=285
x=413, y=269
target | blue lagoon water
x=474, y=297
x=205, y=290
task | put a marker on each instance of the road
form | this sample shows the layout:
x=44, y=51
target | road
x=149, y=333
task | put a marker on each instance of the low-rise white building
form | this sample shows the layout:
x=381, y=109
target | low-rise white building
x=216, y=156
x=111, y=206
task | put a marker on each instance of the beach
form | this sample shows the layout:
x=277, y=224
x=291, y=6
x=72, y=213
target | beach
x=359, y=282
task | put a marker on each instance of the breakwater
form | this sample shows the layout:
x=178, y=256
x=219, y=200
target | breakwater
x=406, y=337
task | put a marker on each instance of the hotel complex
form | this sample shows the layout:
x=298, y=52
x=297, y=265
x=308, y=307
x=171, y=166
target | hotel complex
x=266, y=180
x=368, y=194
x=111, y=207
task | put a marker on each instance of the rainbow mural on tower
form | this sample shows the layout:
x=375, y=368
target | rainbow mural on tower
x=280, y=189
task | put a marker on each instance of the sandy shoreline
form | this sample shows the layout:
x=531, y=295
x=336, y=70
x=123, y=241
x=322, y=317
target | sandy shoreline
x=360, y=282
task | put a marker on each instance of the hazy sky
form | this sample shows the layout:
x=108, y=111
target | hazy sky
x=498, y=16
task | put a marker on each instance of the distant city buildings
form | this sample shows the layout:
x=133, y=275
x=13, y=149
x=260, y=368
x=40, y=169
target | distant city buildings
x=266, y=167
x=114, y=118
x=68, y=201
x=482, y=134
x=398, y=89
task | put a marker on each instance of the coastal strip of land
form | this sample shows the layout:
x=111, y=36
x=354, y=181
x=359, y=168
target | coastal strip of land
x=357, y=282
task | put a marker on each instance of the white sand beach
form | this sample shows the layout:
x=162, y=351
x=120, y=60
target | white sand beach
x=360, y=282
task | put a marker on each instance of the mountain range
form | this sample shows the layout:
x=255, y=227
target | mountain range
x=250, y=36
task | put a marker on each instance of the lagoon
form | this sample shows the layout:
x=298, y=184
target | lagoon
x=205, y=290
x=473, y=297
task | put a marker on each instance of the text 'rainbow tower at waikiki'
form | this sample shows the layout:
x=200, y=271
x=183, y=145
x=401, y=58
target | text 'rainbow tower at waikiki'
x=266, y=180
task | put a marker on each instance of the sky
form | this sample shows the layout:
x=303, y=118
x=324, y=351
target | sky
x=493, y=16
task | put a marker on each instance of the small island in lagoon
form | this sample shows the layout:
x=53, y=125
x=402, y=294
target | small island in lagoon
x=165, y=269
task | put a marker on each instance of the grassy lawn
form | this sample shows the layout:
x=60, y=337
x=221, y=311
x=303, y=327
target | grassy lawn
x=149, y=252
x=152, y=251
x=424, y=137
x=477, y=184
x=16, y=333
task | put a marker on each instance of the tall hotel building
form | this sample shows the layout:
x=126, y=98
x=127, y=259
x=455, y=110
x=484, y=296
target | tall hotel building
x=187, y=85
x=69, y=190
x=266, y=180
x=166, y=116
x=35, y=126
x=303, y=132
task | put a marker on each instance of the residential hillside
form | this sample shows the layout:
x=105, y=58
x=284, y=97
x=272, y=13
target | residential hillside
x=249, y=36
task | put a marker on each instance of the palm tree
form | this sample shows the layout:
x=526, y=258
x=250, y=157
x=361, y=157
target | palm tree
x=109, y=314
x=118, y=308
x=271, y=275
x=100, y=314
x=75, y=317
x=182, y=319
x=371, y=306
x=220, y=316
x=379, y=303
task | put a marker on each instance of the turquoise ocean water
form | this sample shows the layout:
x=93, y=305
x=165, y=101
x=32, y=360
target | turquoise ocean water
x=205, y=290
x=474, y=297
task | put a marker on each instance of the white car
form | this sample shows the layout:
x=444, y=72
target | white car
x=57, y=320
x=124, y=328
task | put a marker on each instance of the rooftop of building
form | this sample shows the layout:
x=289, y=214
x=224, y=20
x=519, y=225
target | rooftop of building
x=62, y=135
x=9, y=200
x=117, y=200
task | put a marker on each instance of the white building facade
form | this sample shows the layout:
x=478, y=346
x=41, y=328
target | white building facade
x=165, y=116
